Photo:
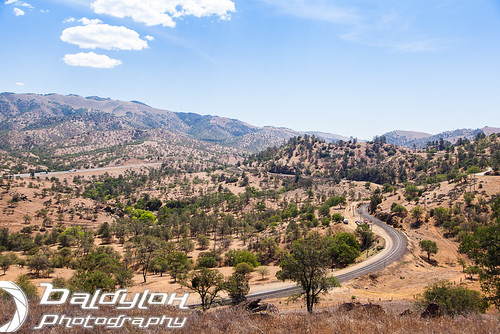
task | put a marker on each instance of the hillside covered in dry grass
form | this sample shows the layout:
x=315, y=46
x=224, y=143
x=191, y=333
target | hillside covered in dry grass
x=155, y=227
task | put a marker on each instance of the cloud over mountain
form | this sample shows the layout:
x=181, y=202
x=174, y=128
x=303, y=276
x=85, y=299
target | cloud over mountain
x=163, y=12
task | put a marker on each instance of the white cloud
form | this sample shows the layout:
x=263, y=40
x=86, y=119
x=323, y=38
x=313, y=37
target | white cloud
x=18, y=3
x=18, y=12
x=95, y=35
x=91, y=59
x=85, y=21
x=69, y=20
x=163, y=12
x=20, y=83
x=149, y=38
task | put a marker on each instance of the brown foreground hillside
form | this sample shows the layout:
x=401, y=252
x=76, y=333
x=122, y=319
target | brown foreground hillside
x=234, y=320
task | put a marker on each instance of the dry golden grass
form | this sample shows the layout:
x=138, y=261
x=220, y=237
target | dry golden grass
x=234, y=320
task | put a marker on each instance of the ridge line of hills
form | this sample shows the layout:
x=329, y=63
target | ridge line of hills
x=28, y=117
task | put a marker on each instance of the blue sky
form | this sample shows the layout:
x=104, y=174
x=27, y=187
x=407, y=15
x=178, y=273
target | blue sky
x=352, y=67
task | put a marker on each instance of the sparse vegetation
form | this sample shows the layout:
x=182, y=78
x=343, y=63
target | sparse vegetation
x=306, y=265
x=454, y=300
x=428, y=246
x=197, y=216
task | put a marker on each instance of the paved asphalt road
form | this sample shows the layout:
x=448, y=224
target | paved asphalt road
x=399, y=245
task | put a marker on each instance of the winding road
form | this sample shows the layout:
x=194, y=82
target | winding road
x=396, y=244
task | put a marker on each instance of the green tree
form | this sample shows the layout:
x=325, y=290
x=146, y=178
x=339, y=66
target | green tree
x=203, y=241
x=268, y=249
x=235, y=256
x=307, y=265
x=343, y=249
x=411, y=192
x=6, y=260
x=207, y=283
x=462, y=263
x=365, y=233
x=207, y=260
x=102, y=268
x=145, y=249
x=324, y=210
x=246, y=257
x=417, y=213
x=159, y=265
x=104, y=232
x=237, y=287
x=186, y=245
x=483, y=247
x=27, y=219
x=29, y=288
x=89, y=281
x=262, y=271
x=468, y=198
x=428, y=246
x=63, y=258
x=243, y=268
x=375, y=200
x=38, y=264
x=337, y=217
x=495, y=160
x=441, y=215
x=178, y=265
x=399, y=210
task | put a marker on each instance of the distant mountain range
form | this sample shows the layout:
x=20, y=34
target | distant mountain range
x=33, y=119
x=70, y=115
x=420, y=139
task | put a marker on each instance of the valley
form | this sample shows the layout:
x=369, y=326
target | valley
x=154, y=213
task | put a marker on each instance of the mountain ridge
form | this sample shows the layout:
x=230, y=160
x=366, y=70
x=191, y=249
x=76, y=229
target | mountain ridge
x=28, y=112
x=414, y=139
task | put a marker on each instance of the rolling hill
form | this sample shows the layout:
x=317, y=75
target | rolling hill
x=416, y=139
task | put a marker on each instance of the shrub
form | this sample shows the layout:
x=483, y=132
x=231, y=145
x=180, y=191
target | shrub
x=29, y=288
x=262, y=271
x=207, y=260
x=243, y=268
x=237, y=287
x=337, y=217
x=399, y=210
x=203, y=241
x=234, y=257
x=454, y=300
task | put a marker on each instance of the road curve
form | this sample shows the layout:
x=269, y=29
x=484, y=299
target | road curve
x=397, y=247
